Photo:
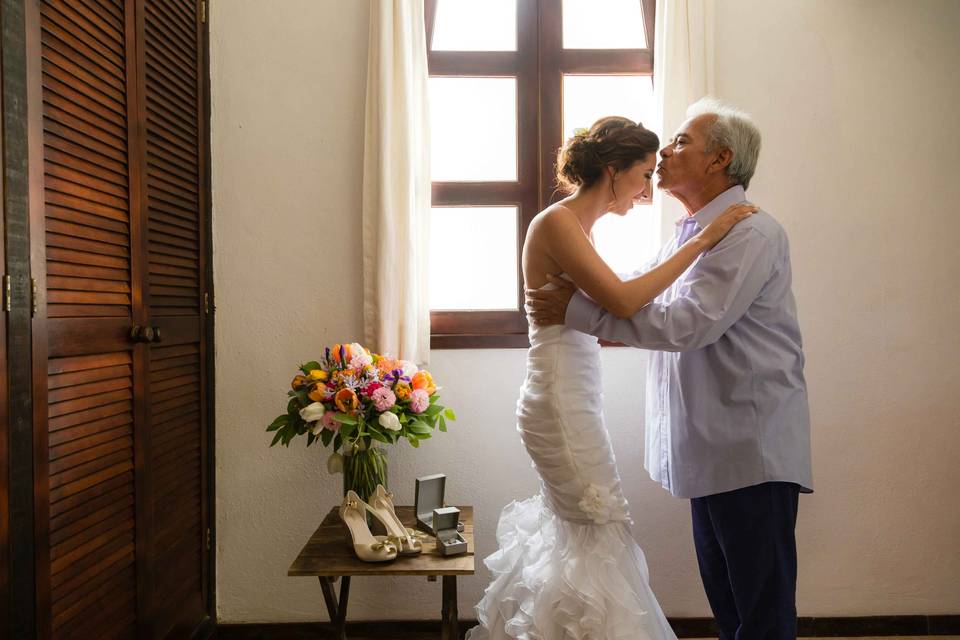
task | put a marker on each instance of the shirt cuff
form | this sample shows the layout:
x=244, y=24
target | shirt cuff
x=579, y=310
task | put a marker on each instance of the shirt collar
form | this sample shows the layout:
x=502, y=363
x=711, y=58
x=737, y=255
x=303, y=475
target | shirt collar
x=718, y=205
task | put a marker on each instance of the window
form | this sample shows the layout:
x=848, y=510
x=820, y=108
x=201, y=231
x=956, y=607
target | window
x=509, y=81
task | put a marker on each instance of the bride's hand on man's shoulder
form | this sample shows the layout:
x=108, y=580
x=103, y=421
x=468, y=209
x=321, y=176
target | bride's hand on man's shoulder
x=718, y=229
x=549, y=306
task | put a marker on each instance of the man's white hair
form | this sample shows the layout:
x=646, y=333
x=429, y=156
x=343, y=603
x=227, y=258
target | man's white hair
x=734, y=130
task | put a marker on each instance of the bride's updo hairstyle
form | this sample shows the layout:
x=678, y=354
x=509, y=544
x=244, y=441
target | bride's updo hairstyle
x=611, y=141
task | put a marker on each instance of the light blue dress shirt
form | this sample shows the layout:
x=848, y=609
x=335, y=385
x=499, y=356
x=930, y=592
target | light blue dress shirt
x=726, y=397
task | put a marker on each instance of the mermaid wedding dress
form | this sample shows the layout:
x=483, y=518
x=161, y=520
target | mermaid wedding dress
x=567, y=567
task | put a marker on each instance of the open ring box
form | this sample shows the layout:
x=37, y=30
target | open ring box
x=438, y=520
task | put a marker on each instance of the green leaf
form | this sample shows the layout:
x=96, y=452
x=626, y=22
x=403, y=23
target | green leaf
x=419, y=427
x=344, y=418
x=310, y=438
x=347, y=430
x=379, y=437
x=293, y=407
x=302, y=397
x=413, y=442
x=434, y=398
x=276, y=438
x=443, y=424
x=326, y=436
x=308, y=367
x=450, y=415
x=433, y=410
x=279, y=421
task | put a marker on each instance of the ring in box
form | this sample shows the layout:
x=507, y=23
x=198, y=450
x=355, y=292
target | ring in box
x=449, y=540
x=429, y=496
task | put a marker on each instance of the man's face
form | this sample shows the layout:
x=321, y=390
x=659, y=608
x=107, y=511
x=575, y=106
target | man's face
x=684, y=161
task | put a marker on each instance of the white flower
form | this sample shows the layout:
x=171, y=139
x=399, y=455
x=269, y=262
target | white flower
x=602, y=505
x=335, y=463
x=312, y=412
x=389, y=420
x=408, y=368
x=316, y=428
x=359, y=356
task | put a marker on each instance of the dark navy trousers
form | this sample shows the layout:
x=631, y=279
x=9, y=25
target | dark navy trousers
x=747, y=553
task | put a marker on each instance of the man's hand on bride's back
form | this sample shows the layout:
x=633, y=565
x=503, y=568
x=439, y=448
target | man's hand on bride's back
x=716, y=230
x=549, y=306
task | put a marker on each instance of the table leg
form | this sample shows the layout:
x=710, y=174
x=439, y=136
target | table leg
x=337, y=612
x=449, y=627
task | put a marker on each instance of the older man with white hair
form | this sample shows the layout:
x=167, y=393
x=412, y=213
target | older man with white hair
x=727, y=422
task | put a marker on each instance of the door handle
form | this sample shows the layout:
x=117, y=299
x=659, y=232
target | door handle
x=144, y=334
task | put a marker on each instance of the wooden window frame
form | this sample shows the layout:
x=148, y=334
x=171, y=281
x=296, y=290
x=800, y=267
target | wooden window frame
x=538, y=64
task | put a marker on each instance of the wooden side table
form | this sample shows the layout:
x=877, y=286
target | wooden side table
x=328, y=556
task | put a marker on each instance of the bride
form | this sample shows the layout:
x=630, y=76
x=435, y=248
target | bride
x=567, y=567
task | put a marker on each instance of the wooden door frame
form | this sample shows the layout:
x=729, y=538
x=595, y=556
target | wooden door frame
x=20, y=600
x=206, y=257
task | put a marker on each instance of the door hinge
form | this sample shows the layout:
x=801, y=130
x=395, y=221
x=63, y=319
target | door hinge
x=207, y=307
x=7, y=294
x=33, y=297
x=203, y=12
x=208, y=538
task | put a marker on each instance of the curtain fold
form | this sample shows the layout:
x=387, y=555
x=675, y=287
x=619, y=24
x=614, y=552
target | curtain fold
x=683, y=72
x=396, y=183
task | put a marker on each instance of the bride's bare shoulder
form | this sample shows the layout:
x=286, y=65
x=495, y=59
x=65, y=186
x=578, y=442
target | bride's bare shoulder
x=554, y=215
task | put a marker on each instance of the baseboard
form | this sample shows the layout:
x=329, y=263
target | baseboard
x=918, y=625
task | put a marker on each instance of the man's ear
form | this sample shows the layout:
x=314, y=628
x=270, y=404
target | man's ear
x=721, y=161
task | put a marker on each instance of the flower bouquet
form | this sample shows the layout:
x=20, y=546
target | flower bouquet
x=352, y=400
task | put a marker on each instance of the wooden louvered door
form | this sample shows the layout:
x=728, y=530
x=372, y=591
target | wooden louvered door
x=117, y=232
x=174, y=249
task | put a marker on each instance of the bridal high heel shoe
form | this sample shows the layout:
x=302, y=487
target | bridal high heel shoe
x=368, y=548
x=406, y=540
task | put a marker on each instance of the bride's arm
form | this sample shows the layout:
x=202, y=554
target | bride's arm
x=572, y=251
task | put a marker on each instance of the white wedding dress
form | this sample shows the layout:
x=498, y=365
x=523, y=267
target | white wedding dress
x=567, y=567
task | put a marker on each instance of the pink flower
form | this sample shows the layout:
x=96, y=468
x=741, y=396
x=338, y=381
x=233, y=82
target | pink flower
x=371, y=388
x=383, y=398
x=419, y=400
x=328, y=422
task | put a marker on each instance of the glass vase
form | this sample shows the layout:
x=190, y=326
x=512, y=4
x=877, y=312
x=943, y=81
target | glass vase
x=363, y=470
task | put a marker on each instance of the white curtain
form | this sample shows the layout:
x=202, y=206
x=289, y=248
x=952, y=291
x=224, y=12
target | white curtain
x=396, y=183
x=683, y=60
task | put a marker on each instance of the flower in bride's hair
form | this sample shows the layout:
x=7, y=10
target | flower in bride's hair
x=581, y=132
x=602, y=505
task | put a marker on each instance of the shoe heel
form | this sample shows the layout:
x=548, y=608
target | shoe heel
x=382, y=508
x=365, y=546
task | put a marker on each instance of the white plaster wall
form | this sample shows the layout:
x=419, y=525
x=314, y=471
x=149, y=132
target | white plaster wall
x=857, y=103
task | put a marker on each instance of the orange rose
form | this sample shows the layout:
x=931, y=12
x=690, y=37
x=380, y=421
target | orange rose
x=316, y=393
x=346, y=400
x=423, y=380
x=298, y=383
